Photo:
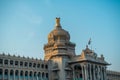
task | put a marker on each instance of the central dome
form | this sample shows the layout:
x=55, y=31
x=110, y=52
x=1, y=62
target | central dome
x=59, y=43
x=58, y=34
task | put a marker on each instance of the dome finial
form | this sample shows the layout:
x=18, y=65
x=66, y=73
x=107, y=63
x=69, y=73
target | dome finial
x=58, y=22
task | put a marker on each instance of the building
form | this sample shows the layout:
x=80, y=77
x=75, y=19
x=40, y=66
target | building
x=21, y=68
x=60, y=62
x=113, y=75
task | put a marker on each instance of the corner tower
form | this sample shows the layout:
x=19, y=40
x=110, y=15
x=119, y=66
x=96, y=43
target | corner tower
x=58, y=43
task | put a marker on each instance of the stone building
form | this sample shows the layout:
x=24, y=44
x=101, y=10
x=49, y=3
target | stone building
x=113, y=75
x=21, y=68
x=60, y=62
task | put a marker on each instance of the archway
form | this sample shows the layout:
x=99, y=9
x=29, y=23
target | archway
x=39, y=76
x=30, y=75
x=47, y=76
x=78, y=72
x=35, y=76
x=1, y=71
x=26, y=75
x=11, y=74
x=6, y=74
x=21, y=75
x=43, y=76
x=16, y=75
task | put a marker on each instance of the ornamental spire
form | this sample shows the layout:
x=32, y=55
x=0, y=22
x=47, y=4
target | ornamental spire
x=57, y=23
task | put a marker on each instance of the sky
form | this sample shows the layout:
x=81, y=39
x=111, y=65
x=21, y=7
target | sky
x=25, y=25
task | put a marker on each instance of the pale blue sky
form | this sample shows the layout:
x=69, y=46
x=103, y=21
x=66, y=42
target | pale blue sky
x=25, y=24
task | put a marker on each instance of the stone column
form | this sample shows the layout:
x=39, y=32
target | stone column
x=90, y=72
x=98, y=74
x=101, y=73
x=8, y=62
x=41, y=76
x=18, y=74
x=94, y=72
x=8, y=74
x=13, y=63
x=28, y=75
x=36, y=75
x=73, y=73
x=105, y=73
x=87, y=72
x=3, y=62
x=82, y=72
x=13, y=74
x=27, y=64
x=86, y=76
x=19, y=64
x=23, y=75
x=3, y=74
x=33, y=76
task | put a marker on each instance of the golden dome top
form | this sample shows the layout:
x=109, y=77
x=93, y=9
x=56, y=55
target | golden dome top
x=58, y=33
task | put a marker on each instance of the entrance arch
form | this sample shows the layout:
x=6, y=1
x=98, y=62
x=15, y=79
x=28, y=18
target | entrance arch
x=1, y=71
x=78, y=72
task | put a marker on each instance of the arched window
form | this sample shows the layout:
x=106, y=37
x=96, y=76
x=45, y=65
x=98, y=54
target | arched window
x=21, y=63
x=26, y=64
x=16, y=63
x=46, y=66
x=35, y=74
x=16, y=72
x=6, y=62
x=39, y=74
x=11, y=74
x=43, y=75
x=30, y=74
x=26, y=73
x=11, y=62
x=21, y=73
x=6, y=71
x=6, y=74
x=38, y=65
x=1, y=71
x=42, y=66
x=1, y=61
x=46, y=75
x=30, y=64
x=34, y=65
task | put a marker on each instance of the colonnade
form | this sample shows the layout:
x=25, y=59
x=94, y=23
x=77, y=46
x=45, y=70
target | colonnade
x=89, y=72
x=11, y=74
x=25, y=64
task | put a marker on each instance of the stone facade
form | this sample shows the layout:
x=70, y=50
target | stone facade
x=113, y=75
x=60, y=62
x=21, y=68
